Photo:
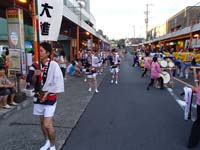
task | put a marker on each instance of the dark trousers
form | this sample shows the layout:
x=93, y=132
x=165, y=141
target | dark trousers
x=144, y=73
x=63, y=71
x=160, y=80
x=194, y=137
x=136, y=62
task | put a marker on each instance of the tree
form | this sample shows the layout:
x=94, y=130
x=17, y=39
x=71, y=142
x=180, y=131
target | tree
x=121, y=43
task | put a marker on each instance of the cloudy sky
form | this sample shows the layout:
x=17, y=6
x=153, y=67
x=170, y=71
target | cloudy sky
x=117, y=18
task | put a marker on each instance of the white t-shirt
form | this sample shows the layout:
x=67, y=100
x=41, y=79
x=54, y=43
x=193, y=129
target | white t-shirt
x=62, y=62
x=116, y=59
x=95, y=61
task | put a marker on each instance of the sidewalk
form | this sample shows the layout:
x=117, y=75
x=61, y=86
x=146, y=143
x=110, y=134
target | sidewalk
x=20, y=129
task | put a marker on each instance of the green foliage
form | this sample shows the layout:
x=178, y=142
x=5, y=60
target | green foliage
x=121, y=42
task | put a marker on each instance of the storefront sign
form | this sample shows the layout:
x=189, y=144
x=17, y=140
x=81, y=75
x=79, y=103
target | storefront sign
x=15, y=58
x=15, y=28
x=50, y=17
x=16, y=40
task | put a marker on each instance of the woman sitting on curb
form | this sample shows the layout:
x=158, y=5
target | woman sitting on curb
x=7, y=88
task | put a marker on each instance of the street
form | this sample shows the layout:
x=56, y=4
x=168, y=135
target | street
x=120, y=117
x=128, y=117
x=44, y=44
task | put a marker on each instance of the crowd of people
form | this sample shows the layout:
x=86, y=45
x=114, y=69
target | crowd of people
x=180, y=69
x=181, y=65
x=92, y=63
x=48, y=80
x=51, y=81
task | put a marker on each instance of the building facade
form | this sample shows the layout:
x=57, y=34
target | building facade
x=179, y=32
x=77, y=21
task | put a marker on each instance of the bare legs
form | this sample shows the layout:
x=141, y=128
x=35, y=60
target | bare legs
x=48, y=129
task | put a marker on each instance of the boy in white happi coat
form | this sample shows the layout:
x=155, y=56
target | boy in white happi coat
x=51, y=83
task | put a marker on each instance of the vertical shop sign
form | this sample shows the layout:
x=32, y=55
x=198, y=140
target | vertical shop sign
x=15, y=28
x=16, y=39
x=50, y=17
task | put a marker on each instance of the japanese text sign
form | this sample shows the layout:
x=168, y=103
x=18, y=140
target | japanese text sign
x=50, y=14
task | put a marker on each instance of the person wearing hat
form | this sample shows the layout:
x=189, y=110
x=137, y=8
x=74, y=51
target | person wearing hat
x=51, y=83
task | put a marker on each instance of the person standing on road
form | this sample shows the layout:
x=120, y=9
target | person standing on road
x=51, y=83
x=136, y=60
x=30, y=74
x=155, y=73
x=147, y=64
x=194, y=137
x=115, y=67
x=62, y=62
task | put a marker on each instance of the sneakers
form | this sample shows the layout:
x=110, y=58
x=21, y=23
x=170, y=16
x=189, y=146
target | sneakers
x=111, y=81
x=52, y=148
x=14, y=104
x=186, y=76
x=96, y=91
x=90, y=89
x=116, y=82
x=85, y=80
x=46, y=146
x=7, y=106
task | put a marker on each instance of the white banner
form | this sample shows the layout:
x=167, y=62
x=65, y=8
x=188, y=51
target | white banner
x=50, y=14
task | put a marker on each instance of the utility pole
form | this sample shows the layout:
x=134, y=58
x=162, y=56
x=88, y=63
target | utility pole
x=147, y=18
x=133, y=31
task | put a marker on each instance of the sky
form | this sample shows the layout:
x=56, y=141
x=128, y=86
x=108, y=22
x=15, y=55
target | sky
x=126, y=18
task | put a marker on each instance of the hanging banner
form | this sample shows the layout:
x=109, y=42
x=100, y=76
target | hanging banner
x=50, y=17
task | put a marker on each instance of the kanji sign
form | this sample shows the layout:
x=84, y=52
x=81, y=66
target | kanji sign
x=50, y=14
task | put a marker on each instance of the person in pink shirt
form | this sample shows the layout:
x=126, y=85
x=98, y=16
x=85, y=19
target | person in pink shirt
x=147, y=64
x=194, y=137
x=155, y=73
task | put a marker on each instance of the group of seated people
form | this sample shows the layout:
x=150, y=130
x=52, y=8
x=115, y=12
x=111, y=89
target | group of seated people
x=74, y=68
x=7, y=91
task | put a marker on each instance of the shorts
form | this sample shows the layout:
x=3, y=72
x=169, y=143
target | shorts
x=100, y=64
x=114, y=70
x=84, y=70
x=90, y=76
x=7, y=91
x=44, y=110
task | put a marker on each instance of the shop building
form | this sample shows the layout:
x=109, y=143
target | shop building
x=178, y=32
x=77, y=28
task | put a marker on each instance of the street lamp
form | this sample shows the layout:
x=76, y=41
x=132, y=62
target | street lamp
x=23, y=1
x=20, y=1
x=87, y=33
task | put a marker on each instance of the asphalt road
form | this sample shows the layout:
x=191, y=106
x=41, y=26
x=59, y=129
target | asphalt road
x=128, y=117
